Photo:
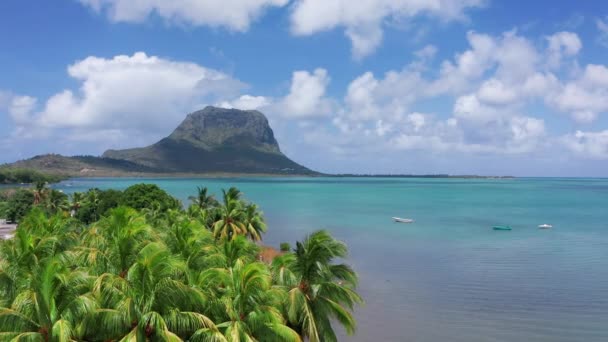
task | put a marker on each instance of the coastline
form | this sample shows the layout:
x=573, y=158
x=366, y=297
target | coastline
x=227, y=175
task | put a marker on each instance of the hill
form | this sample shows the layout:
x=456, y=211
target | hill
x=215, y=140
x=209, y=141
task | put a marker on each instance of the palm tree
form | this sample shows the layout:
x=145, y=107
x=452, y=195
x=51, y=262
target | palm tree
x=231, y=220
x=50, y=306
x=233, y=194
x=36, y=239
x=56, y=202
x=76, y=203
x=318, y=289
x=111, y=245
x=202, y=200
x=40, y=191
x=191, y=240
x=150, y=303
x=228, y=252
x=246, y=303
x=92, y=200
x=254, y=222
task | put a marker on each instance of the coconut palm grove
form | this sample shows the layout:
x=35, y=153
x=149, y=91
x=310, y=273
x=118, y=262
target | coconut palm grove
x=134, y=265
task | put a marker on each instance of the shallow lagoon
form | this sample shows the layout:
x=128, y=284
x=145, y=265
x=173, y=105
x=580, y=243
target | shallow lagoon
x=448, y=276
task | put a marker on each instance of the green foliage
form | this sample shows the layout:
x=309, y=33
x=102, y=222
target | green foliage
x=148, y=196
x=88, y=207
x=19, y=204
x=18, y=176
x=3, y=209
x=149, y=275
x=285, y=247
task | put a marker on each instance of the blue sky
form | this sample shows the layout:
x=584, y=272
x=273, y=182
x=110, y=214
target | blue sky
x=376, y=86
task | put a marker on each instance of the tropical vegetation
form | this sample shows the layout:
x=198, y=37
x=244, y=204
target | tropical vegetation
x=12, y=175
x=160, y=273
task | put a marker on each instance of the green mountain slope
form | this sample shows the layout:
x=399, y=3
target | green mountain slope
x=209, y=141
x=215, y=140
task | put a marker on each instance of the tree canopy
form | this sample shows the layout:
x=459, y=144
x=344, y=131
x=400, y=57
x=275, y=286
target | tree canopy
x=165, y=274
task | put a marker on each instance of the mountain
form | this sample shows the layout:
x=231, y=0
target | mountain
x=212, y=140
x=215, y=140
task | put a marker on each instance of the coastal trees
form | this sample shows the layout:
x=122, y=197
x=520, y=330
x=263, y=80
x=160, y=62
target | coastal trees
x=111, y=245
x=76, y=203
x=149, y=302
x=140, y=196
x=11, y=175
x=202, y=200
x=40, y=191
x=238, y=217
x=318, y=289
x=56, y=202
x=231, y=220
x=246, y=303
x=254, y=222
x=50, y=306
x=19, y=204
x=126, y=277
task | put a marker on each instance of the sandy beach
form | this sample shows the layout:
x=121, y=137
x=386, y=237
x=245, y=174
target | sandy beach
x=6, y=229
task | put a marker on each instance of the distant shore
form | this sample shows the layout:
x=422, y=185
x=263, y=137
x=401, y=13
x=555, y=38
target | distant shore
x=268, y=175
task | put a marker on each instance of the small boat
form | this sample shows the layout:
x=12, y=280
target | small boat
x=402, y=220
x=501, y=228
x=545, y=226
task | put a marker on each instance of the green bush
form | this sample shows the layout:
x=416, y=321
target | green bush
x=19, y=204
x=3, y=209
x=149, y=196
x=96, y=203
x=285, y=247
x=17, y=176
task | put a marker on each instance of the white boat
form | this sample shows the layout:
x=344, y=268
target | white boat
x=402, y=220
x=545, y=226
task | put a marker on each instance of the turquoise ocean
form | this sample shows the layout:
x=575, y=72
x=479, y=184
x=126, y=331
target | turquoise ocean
x=448, y=276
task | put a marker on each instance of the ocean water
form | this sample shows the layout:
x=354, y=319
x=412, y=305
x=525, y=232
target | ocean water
x=448, y=276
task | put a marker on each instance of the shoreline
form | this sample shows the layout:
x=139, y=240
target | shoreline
x=267, y=175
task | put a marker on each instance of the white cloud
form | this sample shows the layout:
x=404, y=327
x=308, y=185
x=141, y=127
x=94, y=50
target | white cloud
x=417, y=120
x=236, y=15
x=427, y=52
x=246, y=102
x=583, y=97
x=306, y=98
x=139, y=94
x=562, y=44
x=469, y=108
x=588, y=144
x=363, y=19
x=494, y=91
x=21, y=107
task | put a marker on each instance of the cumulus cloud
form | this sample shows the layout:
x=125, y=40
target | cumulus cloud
x=588, y=144
x=585, y=96
x=306, y=97
x=363, y=20
x=562, y=44
x=236, y=15
x=21, y=107
x=493, y=84
x=139, y=94
x=246, y=102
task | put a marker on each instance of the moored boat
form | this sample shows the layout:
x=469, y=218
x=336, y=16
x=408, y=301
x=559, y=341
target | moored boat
x=545, y=226
x=501, y=227
x=402, y=220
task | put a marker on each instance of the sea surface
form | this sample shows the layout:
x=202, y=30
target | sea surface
x=448, y=276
